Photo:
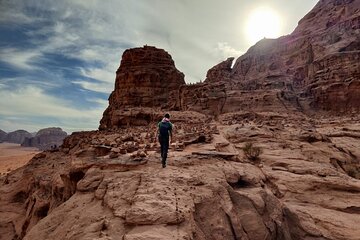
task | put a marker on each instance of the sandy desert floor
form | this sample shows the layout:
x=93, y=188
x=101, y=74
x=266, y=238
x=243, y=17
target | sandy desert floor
x=13, y=156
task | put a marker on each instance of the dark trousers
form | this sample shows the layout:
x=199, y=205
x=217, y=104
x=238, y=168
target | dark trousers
x=164, y=143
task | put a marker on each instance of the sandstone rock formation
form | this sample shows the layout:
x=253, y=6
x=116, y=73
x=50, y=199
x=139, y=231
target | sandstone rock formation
x=46, y=139
x=109, y=184
x=17, y=136
x=146, y=77
x=2, y=135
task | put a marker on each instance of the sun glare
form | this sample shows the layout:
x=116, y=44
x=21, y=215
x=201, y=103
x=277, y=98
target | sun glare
x=262, y=23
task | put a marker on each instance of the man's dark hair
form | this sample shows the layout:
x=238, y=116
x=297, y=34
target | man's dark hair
x=167, y=115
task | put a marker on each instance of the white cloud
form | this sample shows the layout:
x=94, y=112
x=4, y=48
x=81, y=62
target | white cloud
x=105, y=77
x=101, y=74
x=32, y=102
x=224, y=50
x=12, y=13
x=13, y=124
x=100, y=101
x=22, y=59
x=26, y=80
x=96, y=86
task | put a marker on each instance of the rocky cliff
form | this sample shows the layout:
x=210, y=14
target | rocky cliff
x=17, y=136
x=46, y=139
x=109, y=184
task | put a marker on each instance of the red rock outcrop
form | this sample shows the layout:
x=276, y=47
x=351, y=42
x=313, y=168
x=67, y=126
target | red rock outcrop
x=147, y=77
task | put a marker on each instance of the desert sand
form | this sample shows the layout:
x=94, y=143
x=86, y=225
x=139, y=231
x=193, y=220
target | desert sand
x=13, y=156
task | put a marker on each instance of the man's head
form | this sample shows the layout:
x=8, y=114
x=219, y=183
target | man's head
x=167, y=115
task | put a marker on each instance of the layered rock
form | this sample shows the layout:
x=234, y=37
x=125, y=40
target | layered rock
x=203, y=97
x=17, y=136
x=147, y=77
x=46, y=139
x=335, y=83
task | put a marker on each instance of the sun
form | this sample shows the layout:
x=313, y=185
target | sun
x=262, y=23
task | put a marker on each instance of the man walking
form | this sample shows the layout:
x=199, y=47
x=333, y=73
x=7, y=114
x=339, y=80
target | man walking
x=164, y=132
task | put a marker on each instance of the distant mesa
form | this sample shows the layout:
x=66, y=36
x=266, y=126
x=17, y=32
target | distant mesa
x=46, y=139
x=2, y=135
x=17, y=136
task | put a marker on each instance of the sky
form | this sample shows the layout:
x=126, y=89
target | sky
x=58, y=58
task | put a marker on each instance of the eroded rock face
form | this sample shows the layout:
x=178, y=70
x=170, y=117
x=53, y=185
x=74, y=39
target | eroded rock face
x=147, y=77
x=46, y=139
x=335, y=84
x=17, y=136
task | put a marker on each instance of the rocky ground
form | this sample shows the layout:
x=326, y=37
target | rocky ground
x=110, y=185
